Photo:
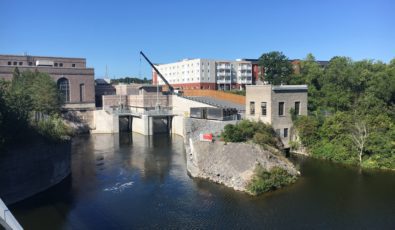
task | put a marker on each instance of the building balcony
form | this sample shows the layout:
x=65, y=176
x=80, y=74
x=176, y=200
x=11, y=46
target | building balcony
x=244, y=68
x=223, y=74
x=223, y=67
x=245, y=74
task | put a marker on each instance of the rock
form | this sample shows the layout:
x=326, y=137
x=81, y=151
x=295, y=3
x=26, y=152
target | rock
x=231, y=164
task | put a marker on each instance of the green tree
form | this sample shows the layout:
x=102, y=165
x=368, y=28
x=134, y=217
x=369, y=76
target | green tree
x=277, y=66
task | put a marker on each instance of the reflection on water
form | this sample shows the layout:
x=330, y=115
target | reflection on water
x=130, y=181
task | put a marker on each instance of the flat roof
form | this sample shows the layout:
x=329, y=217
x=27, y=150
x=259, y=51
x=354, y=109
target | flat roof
x=289, y=87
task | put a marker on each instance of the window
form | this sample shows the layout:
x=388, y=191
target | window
x=286, y=132
x=30, y=63
x=297, y=108
x=64, y=88
x=278, y=132
x=82, y=92
x=56, y=64
x=15, y=63
x=252, y=107
x=263, y=108
x=281, y=108
x=9, y=63
x=20, y=63
x=60, y=64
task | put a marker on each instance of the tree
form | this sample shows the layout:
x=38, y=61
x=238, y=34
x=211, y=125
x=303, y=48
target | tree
x=359, y=136
x=277, y=67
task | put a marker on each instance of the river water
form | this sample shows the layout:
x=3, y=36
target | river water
x=130, y=181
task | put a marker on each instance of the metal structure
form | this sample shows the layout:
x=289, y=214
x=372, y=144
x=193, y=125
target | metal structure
x=171, y=88
x=7, y=220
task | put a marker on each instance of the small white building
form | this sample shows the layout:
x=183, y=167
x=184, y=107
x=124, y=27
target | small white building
x=272, y=104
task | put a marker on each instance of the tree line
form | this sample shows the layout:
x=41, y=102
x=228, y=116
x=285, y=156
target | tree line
x=351, y=108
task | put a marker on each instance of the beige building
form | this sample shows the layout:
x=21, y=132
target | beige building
x=272, y=104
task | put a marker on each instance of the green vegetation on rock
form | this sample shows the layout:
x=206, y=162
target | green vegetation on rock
x=264, y=181
x=351, y=111
x=259, y=132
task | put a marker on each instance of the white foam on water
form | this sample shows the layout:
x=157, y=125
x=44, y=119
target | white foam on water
x=119, y=187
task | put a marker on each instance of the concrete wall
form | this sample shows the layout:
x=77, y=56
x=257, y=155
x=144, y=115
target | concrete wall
x=182, y=105
x=178, y=125
x=105, y=122
x=26, y=171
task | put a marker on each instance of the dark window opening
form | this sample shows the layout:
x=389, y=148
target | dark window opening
x=297, y=108
x=20, y=63
x=15, y=63
x=82, y=92
x=281, y=108
x=56, y=64
x=264, y=108
x=73, y=65
x=30, y=63
x=9, y=63
x=64, y=88
x=286, y=132
x=252, y=108
x=60, y=64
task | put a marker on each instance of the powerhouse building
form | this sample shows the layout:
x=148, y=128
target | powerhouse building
x=75, y=81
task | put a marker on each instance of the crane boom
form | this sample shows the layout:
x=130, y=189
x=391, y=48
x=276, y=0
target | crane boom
x=171, y=89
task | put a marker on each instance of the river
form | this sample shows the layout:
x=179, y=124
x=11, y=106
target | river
x=130, y=181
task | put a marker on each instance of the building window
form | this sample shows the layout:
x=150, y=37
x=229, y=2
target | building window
x=9, y=63
x=20, y=63
x=263, y=108
x=278, y=132
x=286, y=132
x=281, y=108
x=60, y=64
x=30, y=63
x=64, y=88
x=56, y=64
x=297, y=108
x=252, y=108
x=82, y=92
x=15, y=63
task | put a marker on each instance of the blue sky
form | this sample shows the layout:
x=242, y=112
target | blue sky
x=113, y=32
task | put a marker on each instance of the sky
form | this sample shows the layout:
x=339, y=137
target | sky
x=112, y=33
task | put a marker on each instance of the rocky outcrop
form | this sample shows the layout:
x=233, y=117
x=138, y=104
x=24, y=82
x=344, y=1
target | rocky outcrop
x=231, y=164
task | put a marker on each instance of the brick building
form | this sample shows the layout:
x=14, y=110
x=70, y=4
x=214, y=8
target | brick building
x=74, y=79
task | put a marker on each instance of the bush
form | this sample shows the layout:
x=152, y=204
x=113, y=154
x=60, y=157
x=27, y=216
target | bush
x=264, y=181
x=259, y=132
x=53, y=128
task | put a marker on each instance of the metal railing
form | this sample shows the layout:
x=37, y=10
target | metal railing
x=7, y=220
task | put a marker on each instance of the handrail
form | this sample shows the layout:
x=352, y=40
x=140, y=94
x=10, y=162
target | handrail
x=7, y=220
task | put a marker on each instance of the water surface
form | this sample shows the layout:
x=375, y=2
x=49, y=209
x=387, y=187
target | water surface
x=130, y=181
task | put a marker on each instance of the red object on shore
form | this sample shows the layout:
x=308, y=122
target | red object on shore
x=206, y=137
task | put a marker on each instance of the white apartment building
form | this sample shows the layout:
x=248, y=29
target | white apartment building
x=206, y=74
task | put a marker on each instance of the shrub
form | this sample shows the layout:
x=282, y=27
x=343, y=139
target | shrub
x=264, y=181
x=259, y=132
